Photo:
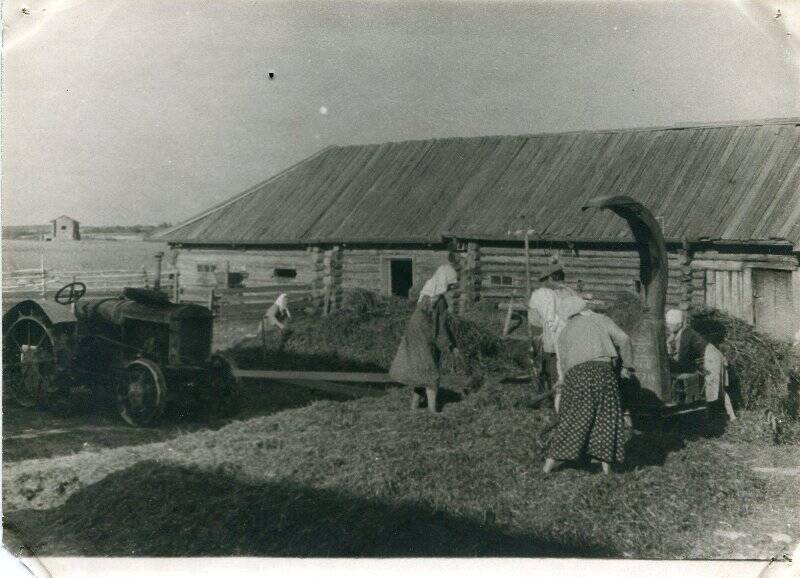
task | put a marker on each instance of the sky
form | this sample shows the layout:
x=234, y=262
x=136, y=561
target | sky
x=121, y=112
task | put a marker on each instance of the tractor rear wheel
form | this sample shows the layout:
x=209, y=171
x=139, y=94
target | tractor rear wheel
x=141, y=393
x=32, y=355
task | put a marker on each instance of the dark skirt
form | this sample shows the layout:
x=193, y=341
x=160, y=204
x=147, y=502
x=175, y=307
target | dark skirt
x=417, y=360
x=590, y=417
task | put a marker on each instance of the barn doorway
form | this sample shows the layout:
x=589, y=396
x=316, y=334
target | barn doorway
x=773, y=310
x=401, y=276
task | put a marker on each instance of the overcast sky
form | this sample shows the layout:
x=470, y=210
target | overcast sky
x=143, y=111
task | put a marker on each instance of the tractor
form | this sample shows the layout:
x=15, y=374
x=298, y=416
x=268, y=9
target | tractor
x=139, y=347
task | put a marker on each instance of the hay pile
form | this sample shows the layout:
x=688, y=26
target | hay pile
x=761, y=367
x=365, y=333
x=764, y=372
x=369, y=477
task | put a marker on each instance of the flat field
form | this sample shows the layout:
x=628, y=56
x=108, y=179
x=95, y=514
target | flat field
x=85, y=255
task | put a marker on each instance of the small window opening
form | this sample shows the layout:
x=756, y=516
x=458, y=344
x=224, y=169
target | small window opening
x=206, y=268
x=282, y=273
x=502, y=280
x=63, y=227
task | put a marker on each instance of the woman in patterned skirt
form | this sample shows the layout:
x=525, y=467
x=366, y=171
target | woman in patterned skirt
x=590, y=421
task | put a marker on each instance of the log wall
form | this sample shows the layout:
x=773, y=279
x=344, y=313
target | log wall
x=600, y=276
x=706, y=278
x=259, y=264
x=369, y=268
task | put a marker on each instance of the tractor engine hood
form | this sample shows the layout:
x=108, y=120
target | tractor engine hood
x=117, y=309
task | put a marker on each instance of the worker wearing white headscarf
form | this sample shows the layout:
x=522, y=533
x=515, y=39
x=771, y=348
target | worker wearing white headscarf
x=276, y=319
x=675, y=322
x=690, y=353
x=543, y=308
x=427, y=335
x=443, y=279
x=590, y=417
x=281, y=303
x=278, y=313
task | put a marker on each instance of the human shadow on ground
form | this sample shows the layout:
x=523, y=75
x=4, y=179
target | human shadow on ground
x=151, y=509
x=652, y=441
x=652, y=445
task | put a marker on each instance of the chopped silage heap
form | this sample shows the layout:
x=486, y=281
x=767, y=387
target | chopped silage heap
x=479, y=464
x=379, y=475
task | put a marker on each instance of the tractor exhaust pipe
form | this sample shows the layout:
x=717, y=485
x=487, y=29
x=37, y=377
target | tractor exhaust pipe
x=157, y=281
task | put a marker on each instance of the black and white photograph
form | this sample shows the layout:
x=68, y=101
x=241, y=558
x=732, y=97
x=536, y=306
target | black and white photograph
x=405, y=283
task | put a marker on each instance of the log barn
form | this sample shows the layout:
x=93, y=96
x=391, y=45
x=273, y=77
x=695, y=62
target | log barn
x=384, y=216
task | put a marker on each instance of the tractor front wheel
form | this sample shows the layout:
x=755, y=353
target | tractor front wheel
x=33, y=360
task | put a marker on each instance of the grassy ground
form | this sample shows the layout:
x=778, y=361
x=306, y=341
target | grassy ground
x=370, y=478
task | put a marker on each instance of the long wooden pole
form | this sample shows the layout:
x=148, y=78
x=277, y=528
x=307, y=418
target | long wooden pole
x=532, y=357
x=527, y=263
x=351, y=377
x=44, y=279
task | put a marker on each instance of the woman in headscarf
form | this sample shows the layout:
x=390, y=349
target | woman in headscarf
x=543, y=310
x=427, y=336
x=590, y=417
x=276, y=319
x=690, y=353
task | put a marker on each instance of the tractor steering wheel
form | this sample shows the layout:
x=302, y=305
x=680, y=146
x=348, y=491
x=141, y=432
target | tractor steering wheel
x=70, y=293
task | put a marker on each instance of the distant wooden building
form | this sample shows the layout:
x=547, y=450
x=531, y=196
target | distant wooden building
x=65, y=228
x=383, y=216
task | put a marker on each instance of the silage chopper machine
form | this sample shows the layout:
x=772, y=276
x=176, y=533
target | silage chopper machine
x=652, y=390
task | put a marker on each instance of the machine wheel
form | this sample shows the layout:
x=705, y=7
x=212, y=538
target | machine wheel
x=142, y=393
x=223, y=394
x=31, y=368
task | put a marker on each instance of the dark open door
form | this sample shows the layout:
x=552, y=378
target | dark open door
x=401, y=276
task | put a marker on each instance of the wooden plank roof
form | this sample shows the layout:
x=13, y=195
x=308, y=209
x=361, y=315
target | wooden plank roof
x=730, y=182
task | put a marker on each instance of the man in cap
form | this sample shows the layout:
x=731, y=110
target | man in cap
x=543, y=312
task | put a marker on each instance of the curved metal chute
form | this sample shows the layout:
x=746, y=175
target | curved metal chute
x=653, y=268
x=650, y=338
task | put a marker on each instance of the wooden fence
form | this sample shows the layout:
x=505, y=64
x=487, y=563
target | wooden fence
x=44, y=280
x=44, y=283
